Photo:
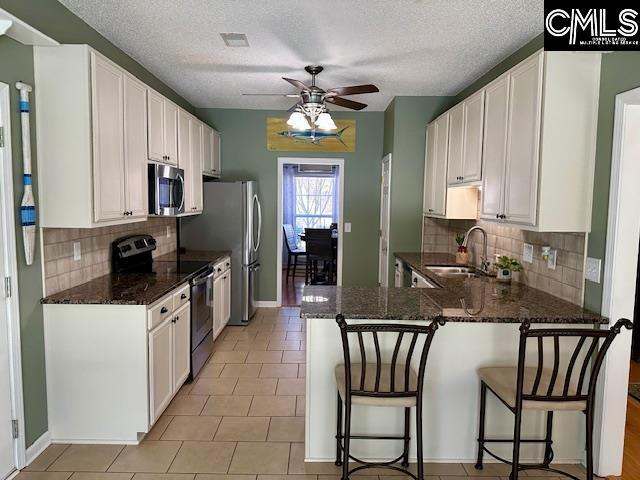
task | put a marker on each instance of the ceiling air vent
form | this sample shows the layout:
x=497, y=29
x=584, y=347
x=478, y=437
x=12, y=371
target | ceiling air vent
x=235, y=39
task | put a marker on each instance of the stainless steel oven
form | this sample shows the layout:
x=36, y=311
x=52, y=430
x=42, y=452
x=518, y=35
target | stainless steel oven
x=201, y=319
x=166, y=190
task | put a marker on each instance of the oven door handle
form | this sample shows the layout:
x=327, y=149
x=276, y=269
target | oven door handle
x=202, y=279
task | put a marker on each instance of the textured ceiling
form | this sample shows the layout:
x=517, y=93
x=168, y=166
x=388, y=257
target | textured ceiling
x=405, y=47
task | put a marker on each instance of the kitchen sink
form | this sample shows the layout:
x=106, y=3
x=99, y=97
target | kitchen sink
x=451, y=271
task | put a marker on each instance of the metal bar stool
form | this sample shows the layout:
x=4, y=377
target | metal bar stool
x=374, y=383
x=568, y=388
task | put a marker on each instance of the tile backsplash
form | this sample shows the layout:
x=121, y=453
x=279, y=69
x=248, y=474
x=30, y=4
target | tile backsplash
x=566, y=281
x=61, y=271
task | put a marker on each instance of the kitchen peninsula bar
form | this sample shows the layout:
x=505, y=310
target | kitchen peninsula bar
x=482, y=318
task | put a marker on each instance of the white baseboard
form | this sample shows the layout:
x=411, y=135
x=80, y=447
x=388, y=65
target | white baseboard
x=37, y=447
x=266, y=304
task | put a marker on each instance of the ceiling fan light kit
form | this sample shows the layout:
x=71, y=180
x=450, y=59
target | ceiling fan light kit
x=311, y=110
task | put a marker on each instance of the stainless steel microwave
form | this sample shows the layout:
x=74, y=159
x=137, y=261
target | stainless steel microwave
x=166, y=190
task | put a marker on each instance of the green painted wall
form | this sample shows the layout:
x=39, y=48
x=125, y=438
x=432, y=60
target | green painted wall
x=55, y=20
x=245, y=157
x=19, y=58
x=620, y=72
x=16, y=63
x=406, y=119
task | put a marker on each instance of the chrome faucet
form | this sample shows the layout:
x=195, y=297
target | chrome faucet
x=484, y=265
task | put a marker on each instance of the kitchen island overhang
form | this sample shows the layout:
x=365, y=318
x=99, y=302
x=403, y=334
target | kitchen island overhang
x=481, y=331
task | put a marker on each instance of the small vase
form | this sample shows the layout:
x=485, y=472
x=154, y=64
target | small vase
x=462, y=258
x=503, y=275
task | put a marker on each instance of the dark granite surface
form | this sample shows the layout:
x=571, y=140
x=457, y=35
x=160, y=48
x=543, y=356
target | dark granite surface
x=134, y=288
x=482, y=299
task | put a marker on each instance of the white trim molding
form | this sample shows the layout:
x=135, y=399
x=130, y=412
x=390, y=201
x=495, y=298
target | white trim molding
x=621, y=260
x=7, y=223
x=282, y=161
x=37, y=447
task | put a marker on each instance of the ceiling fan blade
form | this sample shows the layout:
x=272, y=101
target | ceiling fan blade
x=343, y=102
x=296, y=83
x=288, y=95
x=353, y=90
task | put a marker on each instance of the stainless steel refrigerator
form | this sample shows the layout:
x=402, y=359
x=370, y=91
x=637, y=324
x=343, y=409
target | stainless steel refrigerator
x=231, y=220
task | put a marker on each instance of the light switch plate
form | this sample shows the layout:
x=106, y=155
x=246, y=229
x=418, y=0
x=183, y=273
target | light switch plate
x=592, y=269
x=527, y=253
x=77, y=253
x=168, y=231
x=347, y=227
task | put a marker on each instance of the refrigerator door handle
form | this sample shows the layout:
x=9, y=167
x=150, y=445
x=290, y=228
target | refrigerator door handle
x=257, y=203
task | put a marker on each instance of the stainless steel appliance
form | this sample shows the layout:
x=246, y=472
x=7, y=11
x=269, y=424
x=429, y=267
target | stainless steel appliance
x=166, y=189
x=133, y=254
x=201, y=319
x=231, y=220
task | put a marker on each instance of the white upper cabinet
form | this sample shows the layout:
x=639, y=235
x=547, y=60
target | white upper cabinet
x=539, y=143
x=162, y=129
x=108, y=139
x=473, y=128
x=465, y=141
x=195, y=170
x=456, y=144
x=91, y=134
x=135, y=147
x=184, y=155
x=210, y=151
x=435, y=175
x=496, y=111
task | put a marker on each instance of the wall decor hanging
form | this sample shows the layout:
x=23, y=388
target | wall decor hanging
x=27, y=207
x=281, y=137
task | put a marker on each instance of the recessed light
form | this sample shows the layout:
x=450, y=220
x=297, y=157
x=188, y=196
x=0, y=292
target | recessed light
x=235, y=39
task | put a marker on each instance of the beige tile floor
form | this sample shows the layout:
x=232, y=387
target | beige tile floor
x=241, y=419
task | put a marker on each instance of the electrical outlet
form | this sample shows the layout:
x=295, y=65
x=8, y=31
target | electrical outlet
x=77, y=252
x=347, y=227
x=527, y=253
x=552, y=259
x=592, y=269
x=168, y=231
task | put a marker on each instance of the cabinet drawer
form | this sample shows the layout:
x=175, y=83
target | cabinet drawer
x=182, y=296
x=162, y=310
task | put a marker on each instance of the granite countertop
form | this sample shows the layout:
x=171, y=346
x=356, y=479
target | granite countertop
x=482, y=299
x=134, y=288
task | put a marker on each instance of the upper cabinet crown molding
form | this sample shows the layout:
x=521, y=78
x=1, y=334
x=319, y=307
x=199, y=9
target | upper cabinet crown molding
x=90, y=120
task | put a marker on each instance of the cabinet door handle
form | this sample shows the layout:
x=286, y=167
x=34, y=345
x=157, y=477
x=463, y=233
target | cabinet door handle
x=183, y=296
x=164, y=310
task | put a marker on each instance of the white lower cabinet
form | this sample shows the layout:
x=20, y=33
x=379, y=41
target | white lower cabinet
x=115, y=367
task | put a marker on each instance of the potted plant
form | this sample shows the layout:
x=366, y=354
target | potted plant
x=505, y=266
x=462, y=255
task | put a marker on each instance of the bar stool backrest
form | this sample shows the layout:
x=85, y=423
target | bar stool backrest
x=392, y=379
x=572, y=378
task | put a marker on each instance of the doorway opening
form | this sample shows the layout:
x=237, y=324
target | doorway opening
x=309, y=225
x=12, y=443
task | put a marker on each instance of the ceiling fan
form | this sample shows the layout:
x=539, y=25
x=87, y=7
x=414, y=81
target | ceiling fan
x=312, y=100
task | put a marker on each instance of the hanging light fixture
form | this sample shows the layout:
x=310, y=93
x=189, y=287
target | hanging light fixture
x=298, y=121
x=325, y=122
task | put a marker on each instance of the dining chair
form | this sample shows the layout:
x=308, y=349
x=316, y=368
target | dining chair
x=382, y=382
x=568, y=385
x=293, y=250
x=319, y=249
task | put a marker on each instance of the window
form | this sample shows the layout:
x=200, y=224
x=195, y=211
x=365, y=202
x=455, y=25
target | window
x=314, y=202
